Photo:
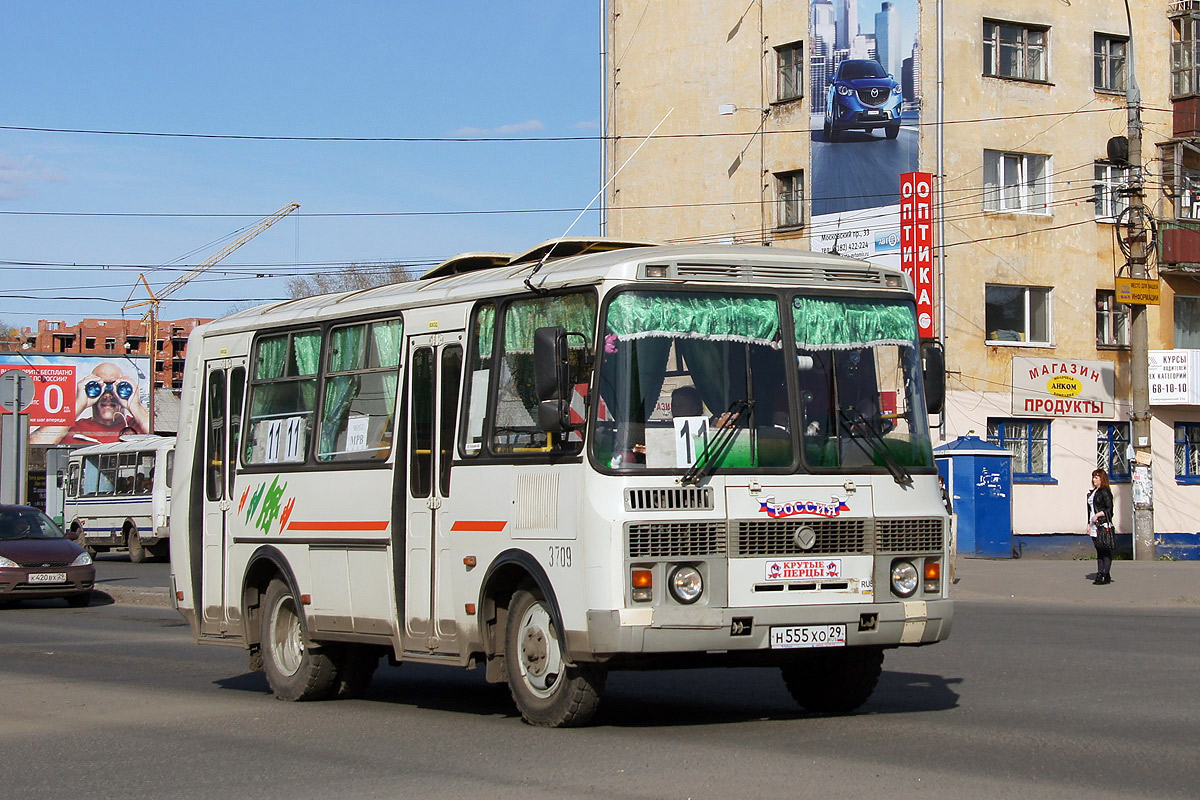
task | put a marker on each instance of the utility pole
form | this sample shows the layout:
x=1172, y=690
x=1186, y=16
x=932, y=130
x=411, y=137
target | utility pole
x=1139, y=412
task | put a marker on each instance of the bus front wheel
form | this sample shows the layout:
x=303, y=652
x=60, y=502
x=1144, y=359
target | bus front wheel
x=547, y=690
x=295, y=669
x=834, y=680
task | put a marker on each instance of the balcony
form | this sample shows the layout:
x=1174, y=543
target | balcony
x=1178, y=247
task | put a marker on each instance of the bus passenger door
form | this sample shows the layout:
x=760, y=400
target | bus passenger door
x=435, y=372
x=224, y=387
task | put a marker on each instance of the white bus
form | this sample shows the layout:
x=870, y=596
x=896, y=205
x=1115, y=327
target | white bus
x=588, y=457
x=119, y=495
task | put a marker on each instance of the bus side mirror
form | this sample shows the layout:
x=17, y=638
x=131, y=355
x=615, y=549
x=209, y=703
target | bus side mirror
x=550, y=377
x=933, y=370
x=58, y=478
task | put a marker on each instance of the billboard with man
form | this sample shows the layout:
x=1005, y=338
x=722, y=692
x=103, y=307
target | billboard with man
x=82, y=400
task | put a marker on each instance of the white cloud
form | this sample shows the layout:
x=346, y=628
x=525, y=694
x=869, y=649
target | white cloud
x=529, y=126
x=16, y=176
x=587, y=125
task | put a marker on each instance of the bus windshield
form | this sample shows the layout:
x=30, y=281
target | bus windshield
x=715, y=380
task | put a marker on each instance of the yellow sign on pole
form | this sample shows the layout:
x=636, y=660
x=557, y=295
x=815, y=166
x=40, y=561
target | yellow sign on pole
x=1136, y=291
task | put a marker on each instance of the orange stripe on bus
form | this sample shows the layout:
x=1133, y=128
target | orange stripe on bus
x=480, y=526
x=338, y=526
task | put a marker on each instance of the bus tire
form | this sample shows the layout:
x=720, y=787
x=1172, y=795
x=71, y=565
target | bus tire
x=133, y=540
x=834, y=680
x=548, y=691
x=356, y=664
x=295, y=668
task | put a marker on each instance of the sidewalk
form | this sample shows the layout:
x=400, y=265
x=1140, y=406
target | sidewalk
x=1141, y=584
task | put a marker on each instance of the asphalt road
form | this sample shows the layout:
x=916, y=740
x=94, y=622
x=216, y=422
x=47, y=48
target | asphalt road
x=1049, y=701
x=114, y=570
x=860, y=171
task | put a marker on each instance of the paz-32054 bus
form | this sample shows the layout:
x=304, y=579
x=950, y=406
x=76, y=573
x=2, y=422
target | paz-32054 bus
x=591, y=456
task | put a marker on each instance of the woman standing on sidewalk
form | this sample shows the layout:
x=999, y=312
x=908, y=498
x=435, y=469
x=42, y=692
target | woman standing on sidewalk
x=1100, y=525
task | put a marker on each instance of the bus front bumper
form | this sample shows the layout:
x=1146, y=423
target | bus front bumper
x=673, y=630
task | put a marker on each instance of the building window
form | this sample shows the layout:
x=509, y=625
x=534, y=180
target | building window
x=1014, y=51
x=1187, y=322
x=1112, y=184
x=1185, y=57
x=791, y=199
x=1112, y=320
x=1108, y=55
x=1029, y=442
x=1187, y=452
x=110, y=344
x=1112, y=450
x=89, y=343
x=1017, y=314
x=790, y=60
x=1015, y=182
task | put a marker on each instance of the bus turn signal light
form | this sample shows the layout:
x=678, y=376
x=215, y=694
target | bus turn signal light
x=642, y=581
x=933, y=576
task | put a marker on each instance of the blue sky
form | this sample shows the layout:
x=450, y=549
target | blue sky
x=301, y=69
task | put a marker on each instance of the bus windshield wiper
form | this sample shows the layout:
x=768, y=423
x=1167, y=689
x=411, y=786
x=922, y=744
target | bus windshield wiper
x=706, y=461
x=860, y=425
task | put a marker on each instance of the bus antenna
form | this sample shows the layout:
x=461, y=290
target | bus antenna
x=546, y=256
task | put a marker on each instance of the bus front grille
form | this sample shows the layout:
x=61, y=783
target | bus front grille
x=773, y=538
x=909, y=535
x=677, y=498
x=676, y=539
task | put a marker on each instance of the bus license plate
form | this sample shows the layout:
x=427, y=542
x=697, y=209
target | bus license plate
x=47, y=577
x=808, y=636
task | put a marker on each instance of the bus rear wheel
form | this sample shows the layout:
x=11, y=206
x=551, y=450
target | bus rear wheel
x=834, y=680
x=137, y=553
x=295, y=669
x=548, y=691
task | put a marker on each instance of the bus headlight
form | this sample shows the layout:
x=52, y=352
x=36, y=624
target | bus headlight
x=905, y=578
x=686, y=584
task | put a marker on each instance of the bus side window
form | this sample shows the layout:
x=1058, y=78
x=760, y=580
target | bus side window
x=483, y=335
x=145, y=474
x=283, y=398
x=108, y=474
x=73, y=479
x=361, y=375
x=515, y=426
x=91, y=476
x=127, y=473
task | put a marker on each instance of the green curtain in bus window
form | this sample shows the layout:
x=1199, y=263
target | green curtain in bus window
x=720, y=317
x=575, y=312
x=345, y=348
x=345, y=354
x=387, y=338
x=840, y=324
x=272, y=357
x=485, y=327
x=307, y=349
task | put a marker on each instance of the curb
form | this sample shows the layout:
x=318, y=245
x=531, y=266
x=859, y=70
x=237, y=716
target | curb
x=127, y=596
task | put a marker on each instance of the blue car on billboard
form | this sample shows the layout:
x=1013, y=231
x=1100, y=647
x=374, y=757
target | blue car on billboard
x=862, y=96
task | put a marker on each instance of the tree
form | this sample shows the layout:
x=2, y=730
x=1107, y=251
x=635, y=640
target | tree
x=10, y=337
x=351, y=277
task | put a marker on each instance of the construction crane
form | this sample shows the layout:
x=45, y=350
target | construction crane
x=155, y=300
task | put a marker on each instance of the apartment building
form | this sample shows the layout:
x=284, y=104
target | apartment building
x=102, y=337
x=789, y=124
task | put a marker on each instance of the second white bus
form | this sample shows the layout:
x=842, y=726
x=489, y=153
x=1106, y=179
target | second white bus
x=119, y=496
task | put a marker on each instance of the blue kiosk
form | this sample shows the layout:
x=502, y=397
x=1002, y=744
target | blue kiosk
x=978, y=476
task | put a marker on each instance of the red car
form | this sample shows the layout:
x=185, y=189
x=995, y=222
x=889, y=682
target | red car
x=38, y=560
